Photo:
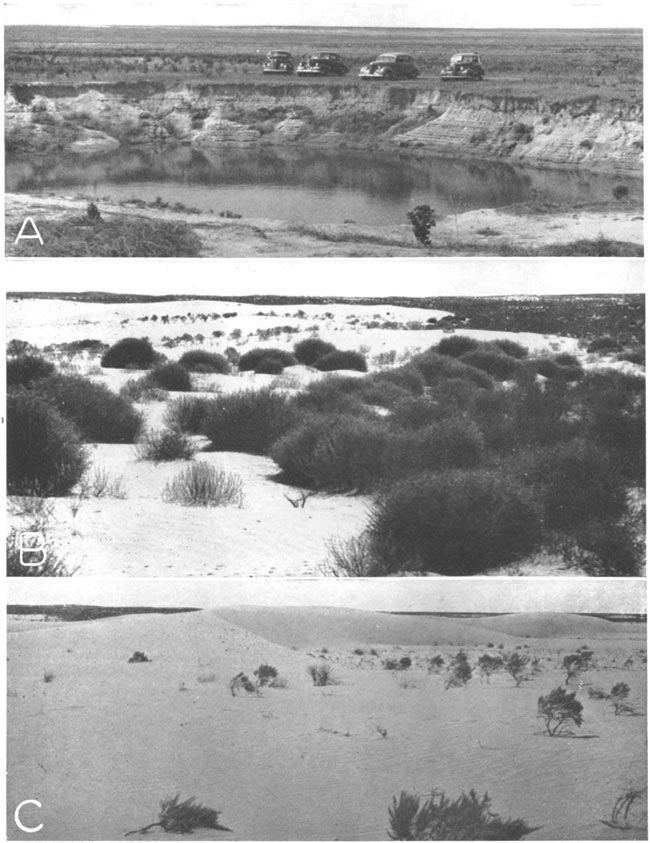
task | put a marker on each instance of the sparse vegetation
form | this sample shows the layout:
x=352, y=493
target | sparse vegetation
x=201, y=484
x=321, y=674
x=165, y=445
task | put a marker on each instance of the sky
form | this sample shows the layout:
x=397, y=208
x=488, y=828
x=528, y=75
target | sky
x=462, y=13
x=423, y=594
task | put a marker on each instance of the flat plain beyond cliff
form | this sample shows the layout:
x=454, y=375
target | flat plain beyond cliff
x=553, y=100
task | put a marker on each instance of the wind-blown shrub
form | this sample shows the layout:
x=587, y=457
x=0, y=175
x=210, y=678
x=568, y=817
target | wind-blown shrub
x=198, y=360
x=201, y=484
x=501, y=366
x=27, y=368
x=309, y=350
x=457, y=522
x=248, y=361
x=456, y=345
x=557, y=709
x=335, y=453
x=130, y=352
x=171, y=376
x=99, y=414
x=165, y=446
x=45, y=454
x=339, y=360
x=442, y=818
x=248, y=421
x=183, y=817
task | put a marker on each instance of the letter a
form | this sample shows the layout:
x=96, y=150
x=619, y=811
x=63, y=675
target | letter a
x=23, y=236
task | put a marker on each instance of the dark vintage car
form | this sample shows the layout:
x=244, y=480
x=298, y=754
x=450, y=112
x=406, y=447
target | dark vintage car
x=278, y=62
x=390, y=66
x=322, y=64
x=463, y=66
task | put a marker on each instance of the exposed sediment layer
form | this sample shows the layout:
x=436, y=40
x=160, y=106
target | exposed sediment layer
x=588, y=133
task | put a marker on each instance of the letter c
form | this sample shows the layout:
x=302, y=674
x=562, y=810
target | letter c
x=26, y=828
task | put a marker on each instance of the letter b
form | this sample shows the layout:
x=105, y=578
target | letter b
x=31, y=543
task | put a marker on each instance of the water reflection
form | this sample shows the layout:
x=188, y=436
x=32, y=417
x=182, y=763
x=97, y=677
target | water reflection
x=303, y=184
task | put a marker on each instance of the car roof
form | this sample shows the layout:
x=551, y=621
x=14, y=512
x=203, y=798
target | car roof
x=461, y=56
x=278, y=53
x=325, y=54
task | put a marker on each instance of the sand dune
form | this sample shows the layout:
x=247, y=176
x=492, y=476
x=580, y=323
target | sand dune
x=102, y=742
x=556, y=625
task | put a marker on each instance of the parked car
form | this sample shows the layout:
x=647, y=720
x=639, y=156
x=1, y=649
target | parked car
x=322, y=64
x=463, y=66
x=278, y=62
x=390, y=66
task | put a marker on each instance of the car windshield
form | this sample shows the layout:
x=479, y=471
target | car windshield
x=386, y=57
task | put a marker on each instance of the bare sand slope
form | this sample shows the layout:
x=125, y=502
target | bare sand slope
x=105, y=740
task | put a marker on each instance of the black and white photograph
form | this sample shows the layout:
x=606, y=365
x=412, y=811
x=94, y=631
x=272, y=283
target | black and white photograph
x=278, y=436
x=246, y=129
x=171, y=710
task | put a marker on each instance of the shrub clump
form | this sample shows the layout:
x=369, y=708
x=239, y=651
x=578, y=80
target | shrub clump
x=188, y=414
x=457, y=522
x=45, y=454
x=130, y=353
x=98, y=414
x=501, y=366
x=308, y=351
x=456, y=345
x=171, y=376
x=406, y=377
x=248, y=421
x=249, y=361
x=338, y=360
x=321, y=674
x=269, y=366
x=198, y=360
x=201, y=484
x=164, y=446
x=440, y=818
x=436, y=367
x=27, y=368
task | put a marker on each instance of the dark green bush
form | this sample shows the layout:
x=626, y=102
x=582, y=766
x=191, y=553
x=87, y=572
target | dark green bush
x=171, y=376
x=501, y=366
x=24, y=370
x=449, y=443
x=308, y=351
x=249, y=361
x=99, y=414
x=269, y=366
x=334, y=394
x=45, y=455
x=165, y=446
x=337, y=453
x=456, y=345
x=130, y=352
x=338, y=360
x=198, y=360
x=247, y=421
x=458, y=522
x=188, y=414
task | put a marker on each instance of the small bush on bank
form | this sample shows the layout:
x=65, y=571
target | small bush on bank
x=266, y=674
x=456, y=345
x=351, y=557
x=501, y=366
x=308, y=351
x=170, y=376
x=24, y=370
x=442, y=818
x=455, y=522
x=164, y=446
x=339, y=360
x=249, y=361
x=198, y=360
x=45, y=454
x=247, y=421
x=98, y=414
x=201, y=484
x=321, y=674
x=269, y=366
x=130, y=352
